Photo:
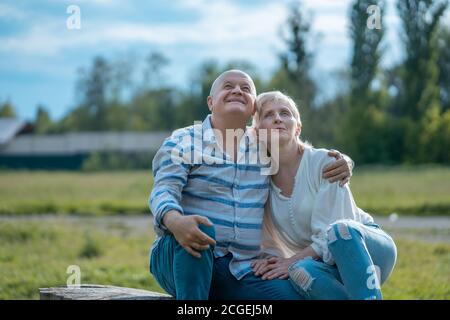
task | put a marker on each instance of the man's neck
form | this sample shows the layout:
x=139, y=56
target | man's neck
x=223, y=124
x=236, y=128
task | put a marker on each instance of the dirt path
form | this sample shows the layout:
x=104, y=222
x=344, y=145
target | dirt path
x=435, y=229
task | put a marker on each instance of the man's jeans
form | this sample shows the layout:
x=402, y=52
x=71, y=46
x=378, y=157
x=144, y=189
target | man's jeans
x=365, y=257
x=188, y=278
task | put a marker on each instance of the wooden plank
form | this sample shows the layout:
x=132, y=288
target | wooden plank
x=99, y=292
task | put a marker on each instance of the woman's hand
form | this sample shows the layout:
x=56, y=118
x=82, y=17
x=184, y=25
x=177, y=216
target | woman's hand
x=259, y=265
x=276, y=268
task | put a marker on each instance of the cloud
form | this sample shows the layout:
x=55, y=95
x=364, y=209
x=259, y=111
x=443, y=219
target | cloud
x=220, y=24
x=8, y=12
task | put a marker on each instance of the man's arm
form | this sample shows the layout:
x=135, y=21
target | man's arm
x=170, y=177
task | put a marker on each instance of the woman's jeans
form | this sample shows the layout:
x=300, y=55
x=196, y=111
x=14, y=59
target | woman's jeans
x=365, y=256
x=188, y=278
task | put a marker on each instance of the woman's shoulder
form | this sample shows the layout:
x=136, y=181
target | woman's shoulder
x=317, y=159
x=318, y=156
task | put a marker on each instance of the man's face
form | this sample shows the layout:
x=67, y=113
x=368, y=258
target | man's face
x=233, y=95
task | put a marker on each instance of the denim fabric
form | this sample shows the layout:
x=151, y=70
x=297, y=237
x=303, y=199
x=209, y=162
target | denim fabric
x=188, y=278
x=226, y=287
x=364, y=255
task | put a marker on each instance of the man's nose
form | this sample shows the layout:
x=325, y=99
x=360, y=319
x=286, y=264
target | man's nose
x=237, y=89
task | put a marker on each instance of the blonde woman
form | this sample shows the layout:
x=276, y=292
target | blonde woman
x=319, y=239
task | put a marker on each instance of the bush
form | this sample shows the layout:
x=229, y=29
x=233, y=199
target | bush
x=107, y=161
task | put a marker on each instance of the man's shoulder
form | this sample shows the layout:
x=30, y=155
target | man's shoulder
x=181, y=132
x=181, y=136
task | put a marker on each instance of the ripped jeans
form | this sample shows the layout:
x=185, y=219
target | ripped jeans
x=364, y=255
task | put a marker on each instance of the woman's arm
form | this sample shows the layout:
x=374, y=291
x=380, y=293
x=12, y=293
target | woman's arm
x=331, y=203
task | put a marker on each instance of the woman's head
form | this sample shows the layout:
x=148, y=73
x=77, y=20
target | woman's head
x=277, y=111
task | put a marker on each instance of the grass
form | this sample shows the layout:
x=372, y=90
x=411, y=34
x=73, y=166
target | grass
x=422, y=271
x=36, y=254
x=419, y=190
x=103, y=193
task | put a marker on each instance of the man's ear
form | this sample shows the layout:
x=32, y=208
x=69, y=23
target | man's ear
x=209, y=102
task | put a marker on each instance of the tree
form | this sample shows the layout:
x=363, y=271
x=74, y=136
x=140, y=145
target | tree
x=42, y=123
x=293, y=76
x=420, y=73
x=7, y=110
x=364, y=121
x=153, y=73
x=366, y=48
x=444, y=66
x=193, y=106
x=93, y=86
x=419, y=96
x=153, y=110
x=153, y=105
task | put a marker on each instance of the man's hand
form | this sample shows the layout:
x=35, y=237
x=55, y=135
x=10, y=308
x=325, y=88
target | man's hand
x=187, y=233
x=340, y=170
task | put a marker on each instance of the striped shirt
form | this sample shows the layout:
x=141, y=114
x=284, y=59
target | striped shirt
x=209, y=183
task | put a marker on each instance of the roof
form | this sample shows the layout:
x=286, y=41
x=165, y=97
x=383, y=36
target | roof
x=83, y=142
x=9, y=127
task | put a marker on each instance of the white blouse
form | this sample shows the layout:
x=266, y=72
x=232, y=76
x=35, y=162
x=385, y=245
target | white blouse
x=301, y=220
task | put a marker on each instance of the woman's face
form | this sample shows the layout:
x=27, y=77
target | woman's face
x=279, y=117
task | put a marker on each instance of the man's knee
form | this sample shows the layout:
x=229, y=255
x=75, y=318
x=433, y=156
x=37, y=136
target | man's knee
x=210, y=231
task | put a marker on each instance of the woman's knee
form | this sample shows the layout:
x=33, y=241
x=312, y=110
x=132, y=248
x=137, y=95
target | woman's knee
x=343, y=230
x=388, y=262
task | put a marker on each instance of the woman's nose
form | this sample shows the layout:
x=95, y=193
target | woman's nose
x=277, y=118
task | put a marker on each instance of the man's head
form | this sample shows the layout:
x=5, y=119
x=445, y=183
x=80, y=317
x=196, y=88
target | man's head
x=233, y=94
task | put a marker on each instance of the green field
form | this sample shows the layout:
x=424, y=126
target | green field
x=36, y=254
x=380, y=190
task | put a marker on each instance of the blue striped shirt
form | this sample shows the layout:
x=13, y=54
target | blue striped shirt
x=209, y=183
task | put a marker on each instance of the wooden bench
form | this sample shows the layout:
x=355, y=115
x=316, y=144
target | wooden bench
x=99, y=292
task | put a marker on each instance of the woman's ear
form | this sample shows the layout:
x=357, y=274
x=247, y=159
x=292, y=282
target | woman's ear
x=254, y=108
x=298, y=131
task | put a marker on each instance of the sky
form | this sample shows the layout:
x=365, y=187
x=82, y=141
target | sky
x=40, y=55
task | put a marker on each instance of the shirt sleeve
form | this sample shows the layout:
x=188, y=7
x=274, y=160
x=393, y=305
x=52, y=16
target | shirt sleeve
x=170, y=175
x=332, y=203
